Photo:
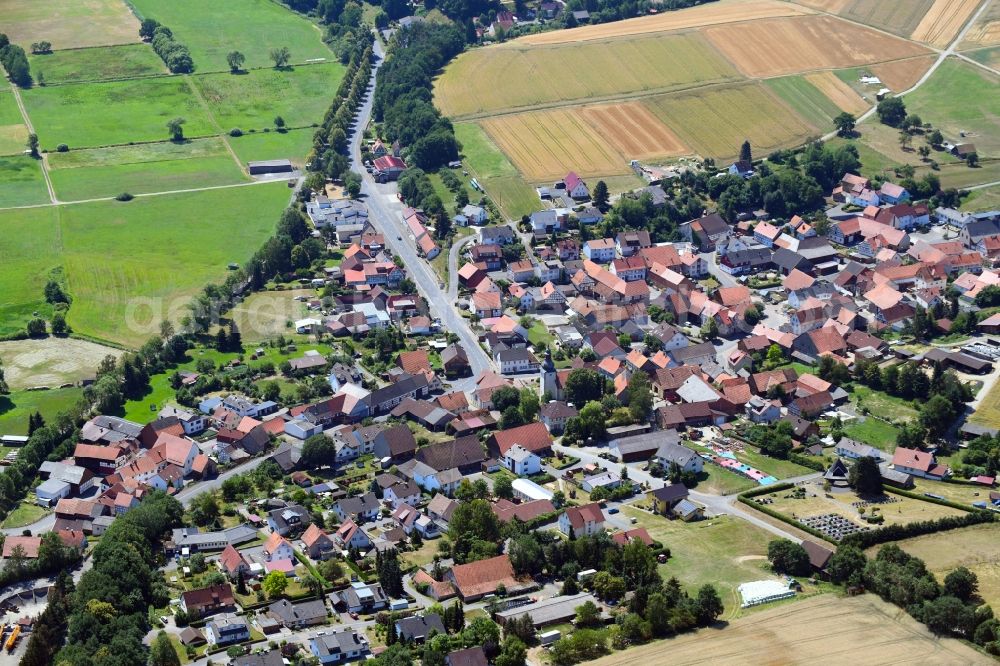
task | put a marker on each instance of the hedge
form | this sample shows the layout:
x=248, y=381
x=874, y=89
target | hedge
x=898, y=532
x=933, y=500
x=807, y=461
x=764, y=490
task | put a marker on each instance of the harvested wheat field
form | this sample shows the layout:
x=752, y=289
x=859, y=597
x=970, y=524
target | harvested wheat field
x=725, y=11
x=513, y=76
x=634, y=131
x=838, y=92
x=775, y=47
x=944, y=20
x=832, y=6
x=716, y=122
x=854, y=630
x=899, y=18
x=986, y=30
x=544, y=145
x=902, y=74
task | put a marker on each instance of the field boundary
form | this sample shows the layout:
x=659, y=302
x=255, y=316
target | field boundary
x=211, y=116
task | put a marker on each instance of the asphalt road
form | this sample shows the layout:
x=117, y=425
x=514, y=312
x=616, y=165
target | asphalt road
x=386, y=212
x=715, y=504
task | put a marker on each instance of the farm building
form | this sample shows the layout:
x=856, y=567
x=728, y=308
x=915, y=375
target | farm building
x=265, y=167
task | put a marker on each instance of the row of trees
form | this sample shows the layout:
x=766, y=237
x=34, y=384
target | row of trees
x=15, y=61
x=329, y=153
x=403, y=93
x=175, y=55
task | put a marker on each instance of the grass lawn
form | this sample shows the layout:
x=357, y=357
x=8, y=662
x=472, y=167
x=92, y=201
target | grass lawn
x=988, y=412
x=161, y=393
x=944, y=101
x=982, y=200
x=150, y=167
x=30, y=248
x=263, y=315
x=502, y=181
x=723, y=551
x=25, y=513
x=872, y=431
x=22, y=182
x=253, y=99
x=19, y=405
x=817, y=502
x=723, y=482
x=293, y=145
x=253, y=27
x=878, y=402
x=156, y=253
x=85, y=115
x=97, y=64
x=539, y=334
x=424, y=555
x=805, y=98
x=956, y=492
x=13, y=133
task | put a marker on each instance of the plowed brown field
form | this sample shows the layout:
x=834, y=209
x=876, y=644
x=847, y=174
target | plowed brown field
x=774, y=47
x=902, y=74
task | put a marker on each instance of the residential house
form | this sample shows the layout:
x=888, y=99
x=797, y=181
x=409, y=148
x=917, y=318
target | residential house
x=338, y=647
x=918, y=463
x=585, y=520
x=360, y=597
x=521, y=462
x=226, y=630
x=206, y=601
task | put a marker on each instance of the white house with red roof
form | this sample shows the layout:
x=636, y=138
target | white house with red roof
x=583, y=520
x=918, y=463
x=575, y=187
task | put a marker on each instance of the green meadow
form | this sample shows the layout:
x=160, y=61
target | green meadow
x=30, y=248
x=493, y=170
x=96, y=64
x=293, y=145
x=129, y=265
x=251, y=100
x=212, y=29
x=153, y=167
x=945, y=101
x=805, y=99
x=22, y=182
x=19, y=405
x=13, y=133
x=89, y=115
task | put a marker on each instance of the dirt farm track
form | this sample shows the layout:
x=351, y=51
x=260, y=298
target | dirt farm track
x=857, y=631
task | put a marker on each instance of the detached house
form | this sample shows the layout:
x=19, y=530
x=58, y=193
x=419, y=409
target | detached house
x=585, y=520
x=575, y=187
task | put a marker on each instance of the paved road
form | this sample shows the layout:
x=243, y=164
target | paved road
x=715, y=504
x=942, y=56
x=386, y=211
x=453, y=255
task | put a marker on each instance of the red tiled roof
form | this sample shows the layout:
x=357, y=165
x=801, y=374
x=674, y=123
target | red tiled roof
x=483, y=577
x=533, y=437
